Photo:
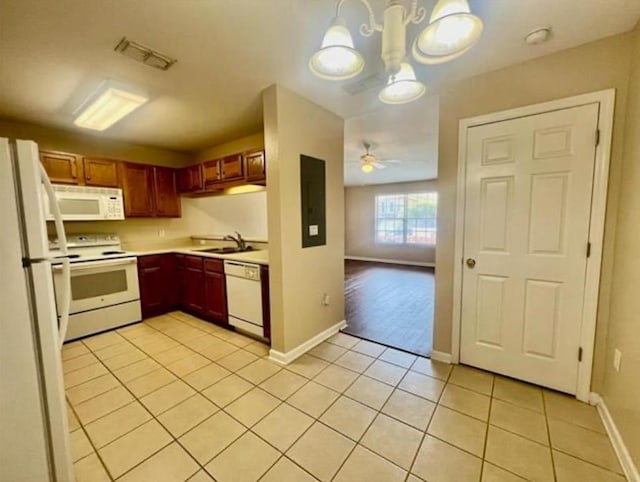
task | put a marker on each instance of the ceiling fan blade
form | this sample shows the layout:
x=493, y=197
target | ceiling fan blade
x=391, y=161
x=378, y=165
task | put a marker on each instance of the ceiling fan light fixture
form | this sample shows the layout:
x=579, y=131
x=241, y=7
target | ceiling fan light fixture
x=402, y=87
x=451, y=32
x=367, y=168
x=337, y=59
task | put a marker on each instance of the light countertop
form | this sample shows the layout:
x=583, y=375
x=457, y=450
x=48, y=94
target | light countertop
x=258, y=256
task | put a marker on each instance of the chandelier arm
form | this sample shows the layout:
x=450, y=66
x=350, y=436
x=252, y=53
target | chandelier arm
x=416, y=14
x=366, y=29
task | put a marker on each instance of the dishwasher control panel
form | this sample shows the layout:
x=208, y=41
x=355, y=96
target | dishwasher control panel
x=242, y=270
x=252, y=272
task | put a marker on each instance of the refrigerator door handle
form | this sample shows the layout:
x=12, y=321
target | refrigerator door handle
x=62, y=243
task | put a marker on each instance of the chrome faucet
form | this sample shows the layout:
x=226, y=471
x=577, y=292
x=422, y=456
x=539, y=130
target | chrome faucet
x=241, y=243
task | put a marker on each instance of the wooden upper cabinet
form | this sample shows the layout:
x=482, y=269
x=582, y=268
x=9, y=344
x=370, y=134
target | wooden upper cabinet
x=167, y=200
x=212, y=171
x=231, y=167
x=255, y=166
x=137, y=189
x=61, y=167
x=190, y=178
x=100, y=172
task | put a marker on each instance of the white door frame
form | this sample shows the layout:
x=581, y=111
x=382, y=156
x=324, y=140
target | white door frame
x=606, y=99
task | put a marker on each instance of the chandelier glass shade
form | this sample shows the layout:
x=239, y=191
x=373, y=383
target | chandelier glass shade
x=337, y=59
x=452, y=30
x=402, y=87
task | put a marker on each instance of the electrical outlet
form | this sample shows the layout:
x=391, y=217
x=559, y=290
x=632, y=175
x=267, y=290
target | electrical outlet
x=161, y=233
x=617, y=358
x=325, y=299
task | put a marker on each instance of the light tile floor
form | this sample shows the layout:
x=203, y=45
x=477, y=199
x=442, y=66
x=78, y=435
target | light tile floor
x=176, y=399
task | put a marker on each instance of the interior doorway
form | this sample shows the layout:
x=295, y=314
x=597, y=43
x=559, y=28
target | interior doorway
x=391, y=199
x=391, y=304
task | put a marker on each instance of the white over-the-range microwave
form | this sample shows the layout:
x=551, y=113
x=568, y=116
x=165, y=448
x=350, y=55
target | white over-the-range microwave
x=85, y=203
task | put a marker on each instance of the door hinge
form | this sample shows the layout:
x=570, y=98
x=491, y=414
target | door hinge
x=580, y=354
x=588, y=250
x=597, y=137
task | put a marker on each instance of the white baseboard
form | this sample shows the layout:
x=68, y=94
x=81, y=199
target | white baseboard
x=624, y=457
x=441, y=356
x=286, y=358
x=391, y=261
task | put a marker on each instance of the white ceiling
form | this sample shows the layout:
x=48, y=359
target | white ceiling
x=408, y=133
x=54, y=52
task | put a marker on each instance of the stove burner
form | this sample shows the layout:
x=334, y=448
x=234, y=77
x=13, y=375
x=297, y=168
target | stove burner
x=107, y=253
x=70, y=256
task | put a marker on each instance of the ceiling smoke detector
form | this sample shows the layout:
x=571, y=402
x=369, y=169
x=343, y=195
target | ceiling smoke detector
x=144, y=54
x=538, y=36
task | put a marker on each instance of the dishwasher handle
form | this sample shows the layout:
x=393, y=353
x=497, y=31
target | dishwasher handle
x=242, y=270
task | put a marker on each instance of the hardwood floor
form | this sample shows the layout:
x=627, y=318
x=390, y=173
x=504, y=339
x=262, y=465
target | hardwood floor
x=390, y=304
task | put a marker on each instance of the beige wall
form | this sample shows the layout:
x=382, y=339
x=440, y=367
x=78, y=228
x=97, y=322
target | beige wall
x=80, y=143
x=213, y=215
x=595, y=66
x=299, y=277
x=254, y=141
x=360, y=223
x=621, y=390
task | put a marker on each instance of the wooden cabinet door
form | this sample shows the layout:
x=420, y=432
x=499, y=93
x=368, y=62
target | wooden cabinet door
x=194, y=284
x=180, y=281
x=212, y=171
x=231, y=167
x=167, y=200
x=152, y=290
x=100, y=172
x=190, y=178
x=215, y=296
x=137, y=189
x=61, y=167
x=255, y=166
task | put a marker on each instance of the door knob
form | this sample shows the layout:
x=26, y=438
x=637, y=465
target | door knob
x=471, y=263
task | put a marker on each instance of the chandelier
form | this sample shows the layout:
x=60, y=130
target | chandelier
x=452, y=30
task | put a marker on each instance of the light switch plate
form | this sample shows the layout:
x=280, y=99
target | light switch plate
x=313, y=230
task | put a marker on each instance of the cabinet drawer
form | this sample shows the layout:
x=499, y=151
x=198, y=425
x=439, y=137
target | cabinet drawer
x=193, y=262
x=214, y=265
x=150, y=261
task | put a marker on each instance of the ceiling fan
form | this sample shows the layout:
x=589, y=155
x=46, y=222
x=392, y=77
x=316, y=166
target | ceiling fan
x=370, y=161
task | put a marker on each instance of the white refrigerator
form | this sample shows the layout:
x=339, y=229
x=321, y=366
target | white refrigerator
x=34, y=439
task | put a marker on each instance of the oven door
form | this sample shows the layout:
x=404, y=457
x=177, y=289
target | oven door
x=97, y=284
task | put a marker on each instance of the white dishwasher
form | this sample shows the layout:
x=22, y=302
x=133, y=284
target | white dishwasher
x=244, y=296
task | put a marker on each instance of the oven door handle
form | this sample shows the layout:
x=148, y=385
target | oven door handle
x=66, y=265
x=97, y=264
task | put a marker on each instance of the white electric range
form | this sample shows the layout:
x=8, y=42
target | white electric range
x=104, y=284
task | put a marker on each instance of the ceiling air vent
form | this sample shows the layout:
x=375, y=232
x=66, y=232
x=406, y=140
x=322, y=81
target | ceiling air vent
x=372, y=82
x=144, y=54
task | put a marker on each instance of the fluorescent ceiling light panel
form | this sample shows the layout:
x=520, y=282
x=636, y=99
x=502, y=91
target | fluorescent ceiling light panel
x=110, y=103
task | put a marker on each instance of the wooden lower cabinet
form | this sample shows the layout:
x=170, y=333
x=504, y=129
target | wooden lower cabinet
x=215, y=291
x=155, y=277
x=194, y=284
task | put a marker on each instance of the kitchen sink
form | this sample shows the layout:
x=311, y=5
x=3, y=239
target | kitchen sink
x=225, y=250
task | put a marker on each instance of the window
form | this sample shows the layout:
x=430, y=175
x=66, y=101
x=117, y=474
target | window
x=406, y=218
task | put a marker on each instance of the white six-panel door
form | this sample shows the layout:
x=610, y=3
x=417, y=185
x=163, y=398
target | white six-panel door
x=527, y=209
